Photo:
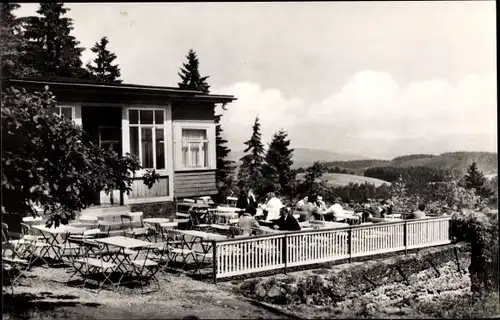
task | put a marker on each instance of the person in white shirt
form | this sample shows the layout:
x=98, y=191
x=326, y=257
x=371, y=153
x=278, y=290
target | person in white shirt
x=336, y=212
x=273, y=207
x=320, y=204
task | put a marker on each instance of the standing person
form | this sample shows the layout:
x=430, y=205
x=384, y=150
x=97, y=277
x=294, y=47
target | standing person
x=252, y=203
x=242, y=202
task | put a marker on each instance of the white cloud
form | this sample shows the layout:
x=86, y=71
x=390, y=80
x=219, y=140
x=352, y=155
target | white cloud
x=372, y=114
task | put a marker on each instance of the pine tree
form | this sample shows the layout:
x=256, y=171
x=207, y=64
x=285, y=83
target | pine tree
x=310, y=185
x=103, y=69
x=12, y=43
x=190, y=75
x=224, y=170
x=277, y=167
x=52, y=50
x=250, y=171
x=474, y=179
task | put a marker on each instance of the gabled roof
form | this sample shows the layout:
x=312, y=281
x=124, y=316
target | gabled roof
x=69, y=85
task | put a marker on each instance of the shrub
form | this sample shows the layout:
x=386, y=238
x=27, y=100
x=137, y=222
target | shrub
x=49, y=161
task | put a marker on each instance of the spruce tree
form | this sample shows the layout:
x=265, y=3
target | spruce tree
x=310, y=185
x=224, y=170
x=190, y=75
x=52, y=50
x=277, y=169
x=12, y=43
x=250, y=171
x=102, y=68
x=474, y=179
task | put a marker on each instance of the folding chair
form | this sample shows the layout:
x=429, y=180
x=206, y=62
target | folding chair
x=147, y=264
x=130, y=231
x=12, y=262
x=89, y=263
x=177, y=245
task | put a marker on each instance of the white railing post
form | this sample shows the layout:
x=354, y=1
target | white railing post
x=284, y=253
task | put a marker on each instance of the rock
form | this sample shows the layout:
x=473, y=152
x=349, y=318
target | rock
x=260, y=291
x=391, y=310
x=274, y=292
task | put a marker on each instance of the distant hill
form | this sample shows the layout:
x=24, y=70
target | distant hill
x=341, y=179
x=459, y=161
x=304, y=157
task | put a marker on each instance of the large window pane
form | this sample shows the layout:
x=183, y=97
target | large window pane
x=67, y=112
x=134, y=141
x=111, y=134
x=147, y=147
x=205, y=154
x=146, y=116
x=185, y=156
x=159, y=116
x=195, y=154
x=160, y=149
x=133, y=116
x=194, y=134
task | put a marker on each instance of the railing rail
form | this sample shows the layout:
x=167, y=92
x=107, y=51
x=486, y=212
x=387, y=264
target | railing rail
x=299, y=248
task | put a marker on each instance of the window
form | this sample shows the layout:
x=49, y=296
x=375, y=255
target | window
x=194, y=148
x=147, y=137
x=66, y=112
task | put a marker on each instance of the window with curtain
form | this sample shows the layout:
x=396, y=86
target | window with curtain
x=194, y=148
x=147, y=137
x=66, y=112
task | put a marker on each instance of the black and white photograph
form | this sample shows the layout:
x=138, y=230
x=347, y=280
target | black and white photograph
x=249, y=160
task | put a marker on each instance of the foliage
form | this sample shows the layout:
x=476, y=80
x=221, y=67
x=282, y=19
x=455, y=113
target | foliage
x=277, y=168
x=250, y=170
x=52, y=50
x=12, y=44
x=481, y=232
x=190, y=74
x=355, y=193
x=411, y=157
x=312, y=183
x=223, y=175
x=416, y=178
x=103, y=69
x=474, y=179
x=49, y=161
x=150, y=178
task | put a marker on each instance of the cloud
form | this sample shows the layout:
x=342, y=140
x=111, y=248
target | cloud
x=372, y=114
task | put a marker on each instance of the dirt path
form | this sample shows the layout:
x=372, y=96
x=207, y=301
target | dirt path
x=42, y=297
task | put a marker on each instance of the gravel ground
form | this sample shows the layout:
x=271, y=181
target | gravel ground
x=44, y=295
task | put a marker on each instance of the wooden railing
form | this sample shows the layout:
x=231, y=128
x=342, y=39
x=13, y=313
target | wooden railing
x=279, y=251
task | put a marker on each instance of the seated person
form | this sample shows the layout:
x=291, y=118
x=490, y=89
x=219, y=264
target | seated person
x=320, y=204
x=335, y=213
x=386, y=208
x=419, y=213
x=272, y=207
x=287, y=221
x=301, y=203
x=308, y=212
x=249, y=225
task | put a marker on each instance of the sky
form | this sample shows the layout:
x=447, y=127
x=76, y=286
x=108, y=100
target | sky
x=375, y=79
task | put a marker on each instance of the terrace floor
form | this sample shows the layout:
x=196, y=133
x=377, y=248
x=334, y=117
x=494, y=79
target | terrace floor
x=45, y=295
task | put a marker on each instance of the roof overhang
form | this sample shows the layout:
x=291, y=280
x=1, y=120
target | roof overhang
x=78, y=90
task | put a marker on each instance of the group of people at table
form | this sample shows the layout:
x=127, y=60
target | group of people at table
x=310, y=208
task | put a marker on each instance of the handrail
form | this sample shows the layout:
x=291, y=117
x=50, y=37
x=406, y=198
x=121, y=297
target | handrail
x=243, y=255
x=336, y=229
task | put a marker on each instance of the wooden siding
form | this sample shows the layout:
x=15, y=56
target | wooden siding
x=185, y=111
x=194, y=183
x=140, y=190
